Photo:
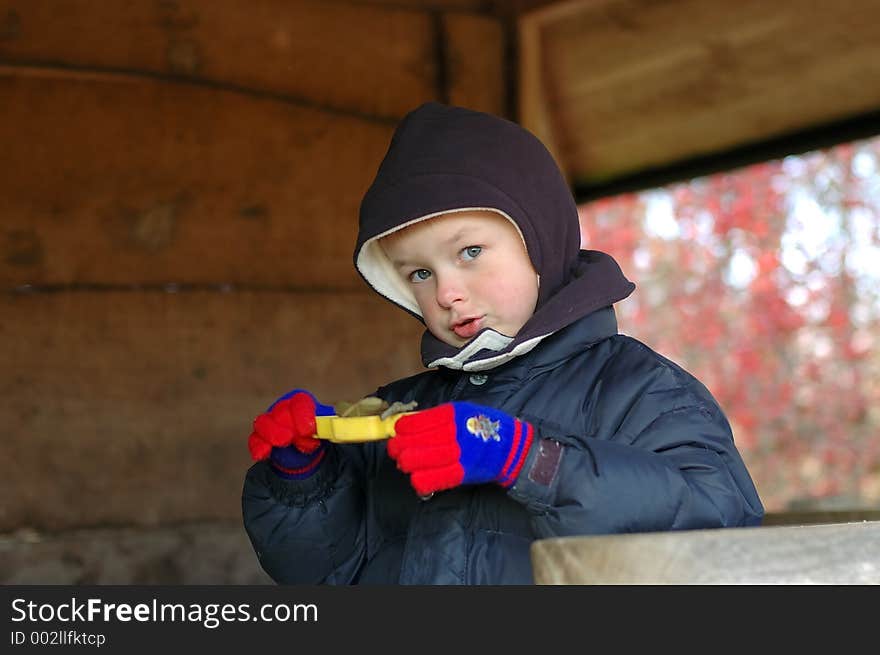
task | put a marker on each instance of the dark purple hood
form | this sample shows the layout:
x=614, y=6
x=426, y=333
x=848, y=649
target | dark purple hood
x=443, y=158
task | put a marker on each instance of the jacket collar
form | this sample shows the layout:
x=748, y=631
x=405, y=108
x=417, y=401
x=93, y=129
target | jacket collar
x=557, y=347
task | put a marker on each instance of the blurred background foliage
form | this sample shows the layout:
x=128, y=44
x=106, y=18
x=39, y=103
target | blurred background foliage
x=765, y=283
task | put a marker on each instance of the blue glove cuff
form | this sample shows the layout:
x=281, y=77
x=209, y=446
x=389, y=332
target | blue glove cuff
x=493, y=444
x=291, y=464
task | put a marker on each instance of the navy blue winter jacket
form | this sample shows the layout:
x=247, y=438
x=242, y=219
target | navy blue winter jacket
x=627, y=442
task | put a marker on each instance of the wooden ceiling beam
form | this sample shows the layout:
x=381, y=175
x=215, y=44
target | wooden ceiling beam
x=619, y=87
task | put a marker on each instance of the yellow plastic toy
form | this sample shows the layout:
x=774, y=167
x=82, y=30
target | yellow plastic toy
x=355, y=429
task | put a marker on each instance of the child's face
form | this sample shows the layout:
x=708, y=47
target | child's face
x=468, y=270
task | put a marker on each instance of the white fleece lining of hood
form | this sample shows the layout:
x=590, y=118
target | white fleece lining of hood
x=486, y=340
x=378, y=270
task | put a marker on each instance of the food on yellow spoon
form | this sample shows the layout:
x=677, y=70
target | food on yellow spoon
x=368, y=419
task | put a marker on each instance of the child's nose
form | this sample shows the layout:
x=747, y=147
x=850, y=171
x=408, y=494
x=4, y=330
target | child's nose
x=450, y=290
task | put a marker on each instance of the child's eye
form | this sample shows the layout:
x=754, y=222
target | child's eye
x=471, y=252
x=419, y=275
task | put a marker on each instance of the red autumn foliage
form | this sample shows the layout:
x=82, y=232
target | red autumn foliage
x=765, y=283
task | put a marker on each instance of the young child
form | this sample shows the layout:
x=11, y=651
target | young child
x=535, y=419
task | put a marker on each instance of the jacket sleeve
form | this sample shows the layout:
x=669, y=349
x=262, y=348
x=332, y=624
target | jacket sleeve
x=307, y=531
x=670, y=464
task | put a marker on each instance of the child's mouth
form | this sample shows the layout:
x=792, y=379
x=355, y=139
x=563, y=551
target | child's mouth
x=468, y=328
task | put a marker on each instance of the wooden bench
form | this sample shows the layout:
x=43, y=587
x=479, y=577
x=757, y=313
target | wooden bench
x=787, y=549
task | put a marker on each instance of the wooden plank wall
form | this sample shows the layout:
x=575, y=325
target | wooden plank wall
x=178, y=206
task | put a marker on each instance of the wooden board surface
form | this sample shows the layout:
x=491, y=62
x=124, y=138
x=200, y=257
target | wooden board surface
x=618, y=86
x=134, y=408
x=807, y=517
x=114, y=180
x=843, y=553
x=355, y=57
x=475, y=55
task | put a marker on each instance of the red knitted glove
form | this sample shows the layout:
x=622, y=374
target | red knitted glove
x=459, y=443
x=284, y=433
x=289, y=421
